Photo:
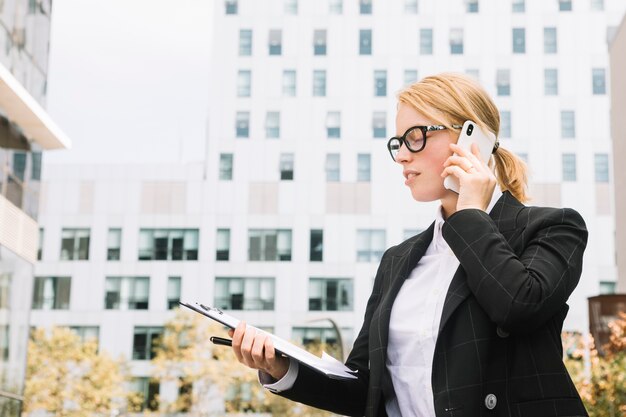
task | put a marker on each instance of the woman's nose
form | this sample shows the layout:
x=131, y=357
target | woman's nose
x=403, y=154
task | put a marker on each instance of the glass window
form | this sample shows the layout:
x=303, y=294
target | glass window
x=363, y=167
x=365, y=42
x=236, y=293
x=380, y=83
x=456, y=41
x=333, y=125
x=410, y=76
x=316, y=245
x=35, y=170
x=127, y=293
x=291, y=7
x=4, y=342
x=315, y=336
x=519, y=40
x=286, y=166
x=601, y=162
x=569, y=166
x=597, y=4
x=505, y=124
x=550, y=82
x=51, y=293
x=242, y=124
x=75, y=244
x=86, y=333
x=608, y=287
x=173, y=292
x=269, y=245
x=145, y=341
x=289, y=83
x=319, y=83
x=245, y=42
x=426, y=41
x=503, y=82
x=222, y=247
x=471, y=6
x=168, y=244
x=474, y=73
x=549, y=40
x=330, y=294
x=518, y=6
x=39, y=243
x=335, y=6
x=148, y=390
x=365, y=6
x=114, y=244
x=333, y=167
x=276, y=42
x=231, y=6
x=568, y=124
x=319, y=42
x=599, y=81
x=5, y=291
x=410, y=6
x=272, y=124
x=370, y=245
x=19, y=164
x=226, y=166
x=379, y=124
x=565, y=5
x=244, y=80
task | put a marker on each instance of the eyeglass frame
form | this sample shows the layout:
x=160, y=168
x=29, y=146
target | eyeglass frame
x=424, y=129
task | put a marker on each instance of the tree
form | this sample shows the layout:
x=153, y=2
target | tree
x=68, y=377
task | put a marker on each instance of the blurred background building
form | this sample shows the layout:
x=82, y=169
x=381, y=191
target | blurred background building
x=286, y=215
x=25, y=130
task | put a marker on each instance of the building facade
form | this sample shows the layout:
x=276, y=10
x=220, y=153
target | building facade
x=285, y=217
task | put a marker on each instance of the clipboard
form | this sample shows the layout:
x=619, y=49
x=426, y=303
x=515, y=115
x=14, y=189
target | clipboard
x=327, y=365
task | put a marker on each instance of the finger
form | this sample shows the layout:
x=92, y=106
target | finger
x=257, y=352
x=237, y=337
x=461, y=161
x=270, y=352
x=474, y=160
x=454, y=170
x=231, y=332
x=246, y=345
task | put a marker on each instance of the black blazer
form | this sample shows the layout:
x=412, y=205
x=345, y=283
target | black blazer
x=499, y=351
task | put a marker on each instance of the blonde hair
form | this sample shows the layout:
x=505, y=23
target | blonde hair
x=456, y=98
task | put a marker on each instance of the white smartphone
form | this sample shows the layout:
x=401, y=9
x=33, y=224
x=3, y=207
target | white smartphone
x=470, y=133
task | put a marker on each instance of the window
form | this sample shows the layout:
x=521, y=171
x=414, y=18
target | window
x=380, y=83
x=4, y=342
x=245, y=42
x=333, y=125
x=503, y=82
x=316, y=245
x=269, y=245
x=75, y=244
x=379, y=124
x=568, y=124
x=242, y=124
x=599, y=81
x=244, y=83
x=330, y=294
x=550, y=82
x=244, y=293
x=471, y=6
x=272, y=124
x=565, y=5
x=286, y=166
x=335, y=6
x=319, y=42
x=39, y=243
x=51, y=293
x=289, y=83
x=370, y=245
x=608, y=287
x=473, y=72
x=5, y=291
x=35, y=169
x=291, y=7
x=19, y=165
x=410, y=76
x=86, y=333
x=168, y=244
x=126, y=293
x=114, y=244
x=426, y=41
x=333, y=167
x=363, y=167
x=148, y=390
x=519, y=6
x=173, y=292
x=505, y=124
x=569, y=166
x=365, y=42
x=410, y=6
x=222, y=246
x=519, y=40
x=549, y=41
x=231, y=6
x=601, y=162
x=365, y=6
x=226, y=166
x=275, y=42
x=32, y=6
x=145, y=341
x=316, y=336
x=597, y=4
x=319, y=83
x=456, y=41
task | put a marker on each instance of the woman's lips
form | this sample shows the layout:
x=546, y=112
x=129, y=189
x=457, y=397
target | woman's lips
x=410, y=176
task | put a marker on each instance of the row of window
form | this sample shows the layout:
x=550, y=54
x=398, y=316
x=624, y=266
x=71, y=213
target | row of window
x=503, y=88
x=231, y=7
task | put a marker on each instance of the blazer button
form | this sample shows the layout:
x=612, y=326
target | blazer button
x=502, y=333
x=491, y=401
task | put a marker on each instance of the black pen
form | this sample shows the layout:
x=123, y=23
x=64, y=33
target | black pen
x=221, y=341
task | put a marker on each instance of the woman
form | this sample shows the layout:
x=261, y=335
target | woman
x=465, y=318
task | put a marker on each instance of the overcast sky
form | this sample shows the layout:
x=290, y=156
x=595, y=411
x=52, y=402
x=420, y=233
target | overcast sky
x=128, y=79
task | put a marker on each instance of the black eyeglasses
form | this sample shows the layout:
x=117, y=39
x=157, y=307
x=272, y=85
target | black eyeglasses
x=414, y=139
